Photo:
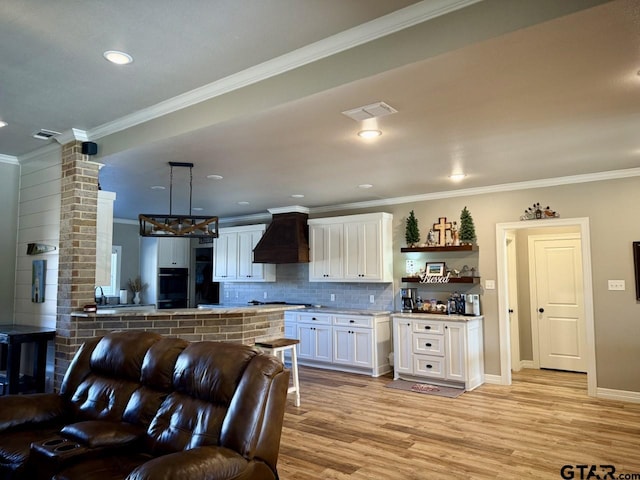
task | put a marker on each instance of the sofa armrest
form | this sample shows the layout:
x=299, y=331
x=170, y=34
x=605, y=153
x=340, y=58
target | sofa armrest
x=210, y=462
x=33, y=409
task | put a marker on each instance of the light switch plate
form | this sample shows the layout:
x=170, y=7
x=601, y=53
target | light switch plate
x=490, y=284
x=616, y=285
x=333, y=297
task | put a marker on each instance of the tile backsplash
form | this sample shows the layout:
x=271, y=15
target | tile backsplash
x=293, y=285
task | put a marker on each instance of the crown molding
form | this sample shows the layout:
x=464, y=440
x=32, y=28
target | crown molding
x=71, y=135
x=372, y=30
x=505, y=187
x=9, y=159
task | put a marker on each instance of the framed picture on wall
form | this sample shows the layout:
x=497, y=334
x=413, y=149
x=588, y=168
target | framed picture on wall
x=636, y=263
x=434, y=269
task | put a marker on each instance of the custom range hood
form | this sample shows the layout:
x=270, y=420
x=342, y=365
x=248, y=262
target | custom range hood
x=286, y=239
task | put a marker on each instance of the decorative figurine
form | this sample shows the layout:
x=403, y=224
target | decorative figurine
x=431, y=238
x=455, y=234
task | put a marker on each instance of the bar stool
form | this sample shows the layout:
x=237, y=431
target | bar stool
x=277, y=347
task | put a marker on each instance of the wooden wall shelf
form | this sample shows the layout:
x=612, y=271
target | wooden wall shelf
x=461, y=248
x=451, y=280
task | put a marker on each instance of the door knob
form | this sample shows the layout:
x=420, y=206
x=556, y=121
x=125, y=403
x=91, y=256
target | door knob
x=541, y=310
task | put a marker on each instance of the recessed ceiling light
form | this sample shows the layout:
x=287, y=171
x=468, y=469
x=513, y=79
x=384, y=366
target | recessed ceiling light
x=215, y=177
x=119, y=58
x=3, y=124
x=243, y=203
x=297, y=195
x=456, y=177
x=157, y=187
x=369, y=133
x=365, y=185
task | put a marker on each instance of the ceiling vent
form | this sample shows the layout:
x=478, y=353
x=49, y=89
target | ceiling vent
x=375, y=110
x=43, y=134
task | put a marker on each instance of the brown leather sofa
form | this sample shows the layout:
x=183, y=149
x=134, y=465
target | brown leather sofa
x=137, y=405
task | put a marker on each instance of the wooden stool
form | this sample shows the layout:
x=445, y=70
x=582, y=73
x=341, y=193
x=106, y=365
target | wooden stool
x=277, y=347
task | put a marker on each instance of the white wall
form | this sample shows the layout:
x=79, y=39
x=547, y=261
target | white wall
x=9, y=184
x=38, y=222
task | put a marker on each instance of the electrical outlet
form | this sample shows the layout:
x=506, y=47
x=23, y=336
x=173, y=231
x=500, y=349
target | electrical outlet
x=616, y=285
x=226, y=294
x=490, y=284
x=372, y=299
x=333, y=297
x=264, y=295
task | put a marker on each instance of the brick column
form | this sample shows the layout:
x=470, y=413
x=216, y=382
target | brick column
x=77, y=250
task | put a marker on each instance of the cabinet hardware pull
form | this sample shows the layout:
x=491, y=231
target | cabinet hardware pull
x=429, y=366
x=427, y=327
x=427, y=344
x=352, y=321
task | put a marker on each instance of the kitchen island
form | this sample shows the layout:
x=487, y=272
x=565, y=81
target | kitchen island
x=240, y=324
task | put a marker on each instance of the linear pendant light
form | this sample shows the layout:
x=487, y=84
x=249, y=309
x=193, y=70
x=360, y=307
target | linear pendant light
x=187, y=226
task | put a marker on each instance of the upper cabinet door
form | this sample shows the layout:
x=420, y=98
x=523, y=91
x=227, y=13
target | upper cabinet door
x=233, y=256
x=173, y=252
x=225, y=256
x=363, y=251
x=326, y=259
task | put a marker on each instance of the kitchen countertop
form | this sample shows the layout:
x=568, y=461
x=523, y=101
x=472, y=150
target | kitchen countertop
x=208, y=310
x=438, y=316
x=347, y=311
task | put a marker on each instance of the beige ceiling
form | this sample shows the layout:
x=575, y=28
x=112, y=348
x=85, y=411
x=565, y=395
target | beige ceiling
x=506, y=91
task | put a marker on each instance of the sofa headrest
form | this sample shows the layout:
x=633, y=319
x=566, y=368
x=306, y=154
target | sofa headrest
x=159, y=363
x=211, y=371
x=121, y=353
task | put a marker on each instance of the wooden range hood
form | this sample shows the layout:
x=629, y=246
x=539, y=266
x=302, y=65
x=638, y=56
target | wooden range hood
x=286, y=239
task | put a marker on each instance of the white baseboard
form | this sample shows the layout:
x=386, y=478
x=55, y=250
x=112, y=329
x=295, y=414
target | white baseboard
x=527, y=364
x=622, y=395
x=493, y=379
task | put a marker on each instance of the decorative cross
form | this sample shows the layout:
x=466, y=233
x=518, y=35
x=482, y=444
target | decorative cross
x=442, y=226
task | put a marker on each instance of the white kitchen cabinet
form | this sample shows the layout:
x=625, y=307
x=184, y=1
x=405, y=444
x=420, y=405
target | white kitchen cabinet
x=363, y=254
x=357, y=343
x=314, y=333
x=225, y=255
x=104, y=237
x=354, y=248
x=325, y=252
x=353, y=346
x=444, y=349
x=173, y=252
x=233, y=256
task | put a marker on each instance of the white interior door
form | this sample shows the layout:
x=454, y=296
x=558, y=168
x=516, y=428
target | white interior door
x=558, y=320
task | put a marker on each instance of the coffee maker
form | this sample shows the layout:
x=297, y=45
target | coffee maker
x=408, y=298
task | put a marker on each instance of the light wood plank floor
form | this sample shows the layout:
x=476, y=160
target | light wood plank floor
x=353, y=427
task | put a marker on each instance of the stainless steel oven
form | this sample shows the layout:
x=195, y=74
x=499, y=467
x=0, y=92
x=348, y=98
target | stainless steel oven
x=173, y=288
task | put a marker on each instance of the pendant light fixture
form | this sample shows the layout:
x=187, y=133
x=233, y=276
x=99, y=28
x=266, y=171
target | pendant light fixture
x=188, y=226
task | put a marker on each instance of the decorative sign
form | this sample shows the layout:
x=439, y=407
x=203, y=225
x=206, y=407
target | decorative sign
x=426, y=278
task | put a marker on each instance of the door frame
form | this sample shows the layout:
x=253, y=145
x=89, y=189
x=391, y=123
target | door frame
x=512, y=300
x=587, y=285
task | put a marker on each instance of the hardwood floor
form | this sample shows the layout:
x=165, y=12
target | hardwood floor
x=352, y=427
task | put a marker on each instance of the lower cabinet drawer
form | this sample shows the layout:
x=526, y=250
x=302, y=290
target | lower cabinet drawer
x=428, y=344
x=428, y=366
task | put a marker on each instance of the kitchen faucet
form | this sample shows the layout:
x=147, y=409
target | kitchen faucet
x=99, y=300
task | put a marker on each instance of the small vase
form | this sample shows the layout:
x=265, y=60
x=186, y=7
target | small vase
x=136, y=298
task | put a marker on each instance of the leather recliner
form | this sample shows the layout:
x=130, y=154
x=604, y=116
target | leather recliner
x=137, y=405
